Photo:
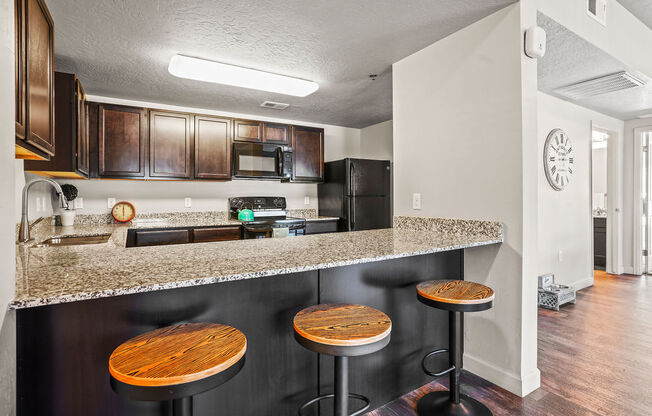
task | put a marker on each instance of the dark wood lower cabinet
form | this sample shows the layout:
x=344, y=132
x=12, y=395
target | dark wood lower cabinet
x=321, y=227
x=208, y=234
x=600, y=242
x=63, y=349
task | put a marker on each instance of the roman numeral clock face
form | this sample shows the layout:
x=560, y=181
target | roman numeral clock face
x=558, y=159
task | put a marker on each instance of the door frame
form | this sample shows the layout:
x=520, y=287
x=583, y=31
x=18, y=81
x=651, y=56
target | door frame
x=614, y=263
x=637, y=247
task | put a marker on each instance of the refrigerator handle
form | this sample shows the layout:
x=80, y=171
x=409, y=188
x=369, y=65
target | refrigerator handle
x=352, y=206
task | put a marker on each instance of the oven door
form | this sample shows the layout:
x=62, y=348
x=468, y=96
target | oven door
x=259, y=161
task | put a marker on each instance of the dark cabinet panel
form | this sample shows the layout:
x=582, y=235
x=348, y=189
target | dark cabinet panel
x=203, y=235
x=600, y=242
x=247, y=130
x=19, y=67
x=169, y=144
x=276, y=133
x=40, y=76
x=122, y=136
x=321, y=227
x=212, y=147
x=162, y=237
x=71, y=159
x=308, y=154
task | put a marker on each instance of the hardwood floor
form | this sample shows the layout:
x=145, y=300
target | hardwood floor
x=595, y=358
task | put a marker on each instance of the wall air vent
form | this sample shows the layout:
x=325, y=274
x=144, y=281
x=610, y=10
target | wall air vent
x=275, y=105
x=601, y=85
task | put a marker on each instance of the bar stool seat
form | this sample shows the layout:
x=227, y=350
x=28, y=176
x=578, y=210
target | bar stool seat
x=342, y=330
x=177, y=362
x=456, y=297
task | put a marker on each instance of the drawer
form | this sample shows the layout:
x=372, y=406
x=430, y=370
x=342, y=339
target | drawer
x=203, y=235
x=162, y=237
x=321, y=227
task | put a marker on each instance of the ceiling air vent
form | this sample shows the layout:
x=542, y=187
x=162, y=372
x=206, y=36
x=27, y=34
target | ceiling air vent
x=275, y=105
x=602, y=85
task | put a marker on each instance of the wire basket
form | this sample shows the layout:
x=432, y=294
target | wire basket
x=554, y=296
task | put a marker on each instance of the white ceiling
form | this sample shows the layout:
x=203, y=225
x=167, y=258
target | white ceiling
x=570, y=59
x=641, y=9
x=121, y=48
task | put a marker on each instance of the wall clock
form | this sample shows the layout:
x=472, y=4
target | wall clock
x=558, y=160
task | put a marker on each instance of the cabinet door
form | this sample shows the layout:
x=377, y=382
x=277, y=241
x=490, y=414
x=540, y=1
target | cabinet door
x=276, y=133
x=247, y=131
x=81, y=150
x=205, y=235
x=19, y=67
x=169, y=144
x=212, y=147
x=122, y=135
x=162, y=237
x=40, y=76
x=308, y=154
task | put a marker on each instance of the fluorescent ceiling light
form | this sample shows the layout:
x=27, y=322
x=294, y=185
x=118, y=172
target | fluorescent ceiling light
x=645, y=116
x=210, y=71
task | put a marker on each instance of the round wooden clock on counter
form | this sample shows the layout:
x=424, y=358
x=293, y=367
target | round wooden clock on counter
x=123, y=212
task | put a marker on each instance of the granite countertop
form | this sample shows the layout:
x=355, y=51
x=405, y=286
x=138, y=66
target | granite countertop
x=50, y=275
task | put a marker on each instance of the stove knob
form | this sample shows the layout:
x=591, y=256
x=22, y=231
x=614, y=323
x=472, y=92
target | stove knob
x=278, y=202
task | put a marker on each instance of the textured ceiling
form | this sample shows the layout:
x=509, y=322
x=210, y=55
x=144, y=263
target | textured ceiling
x=639, y=8
x=121, y=48
x=570, y=59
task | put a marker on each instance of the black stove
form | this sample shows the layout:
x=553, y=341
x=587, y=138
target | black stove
x=270, y=217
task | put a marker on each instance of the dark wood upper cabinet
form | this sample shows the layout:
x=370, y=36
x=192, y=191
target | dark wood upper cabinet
x=247, y=130
x=169, y=144
x=82, y=153
x=34, y=80
x=19, y=67
x=212, y=147
x=276, y=133
x=121, y=141
x=71, y=159
x=308, y=154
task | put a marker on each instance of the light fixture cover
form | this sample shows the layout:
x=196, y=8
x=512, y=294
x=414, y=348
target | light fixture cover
x=219, y=73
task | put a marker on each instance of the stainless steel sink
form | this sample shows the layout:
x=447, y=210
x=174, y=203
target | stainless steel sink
x=74, y=240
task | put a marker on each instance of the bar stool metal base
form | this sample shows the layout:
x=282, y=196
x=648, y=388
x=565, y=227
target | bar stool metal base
x=438, y=403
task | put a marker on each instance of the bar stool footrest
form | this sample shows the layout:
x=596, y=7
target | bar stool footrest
x=332, y=396
x=433, y=374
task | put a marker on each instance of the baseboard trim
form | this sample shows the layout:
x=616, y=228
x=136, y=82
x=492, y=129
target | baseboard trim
x=520, y=386
x=582, y=284
x=628, y=270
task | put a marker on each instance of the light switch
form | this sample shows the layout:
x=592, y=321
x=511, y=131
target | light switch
x=416, y=201
x=561, y=256
x=306, y=200
x=78, y=203
x=187, y=202
x=110, y=202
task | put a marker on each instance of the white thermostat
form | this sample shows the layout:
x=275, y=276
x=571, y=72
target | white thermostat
x=535, y=42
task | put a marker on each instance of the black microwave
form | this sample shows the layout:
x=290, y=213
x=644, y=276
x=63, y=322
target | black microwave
x=261, y=161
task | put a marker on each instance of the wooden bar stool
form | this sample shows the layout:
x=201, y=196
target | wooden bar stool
x=456, y=297
x=177, y=362
x=342, y=330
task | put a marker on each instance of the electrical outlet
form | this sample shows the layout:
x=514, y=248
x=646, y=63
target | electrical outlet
x=561, y=256
x=306, y=200
x=38, y=204
x=416, y=201
x=78, y=203
x=110, y=202
x=187, y=202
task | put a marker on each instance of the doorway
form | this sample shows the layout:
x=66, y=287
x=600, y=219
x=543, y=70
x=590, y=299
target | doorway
x=599, y=188
x=643, y=208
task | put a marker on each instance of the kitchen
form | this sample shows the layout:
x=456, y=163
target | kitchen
x=179, y=183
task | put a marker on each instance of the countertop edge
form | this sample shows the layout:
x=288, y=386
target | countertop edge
x=54, y=300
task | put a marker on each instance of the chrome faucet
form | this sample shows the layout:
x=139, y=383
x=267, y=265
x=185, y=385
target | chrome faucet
x=23, y=233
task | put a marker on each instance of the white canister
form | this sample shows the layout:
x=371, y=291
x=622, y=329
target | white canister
x=67, y=217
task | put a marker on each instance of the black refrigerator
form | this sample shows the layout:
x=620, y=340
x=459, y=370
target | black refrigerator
x=359, y=192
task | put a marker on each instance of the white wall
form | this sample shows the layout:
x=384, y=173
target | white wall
x=7, y=224
x=565, y=218
x=599, y=175
x=478, y=162
x=625, y=37
x=168, y=196
x=376, y=141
